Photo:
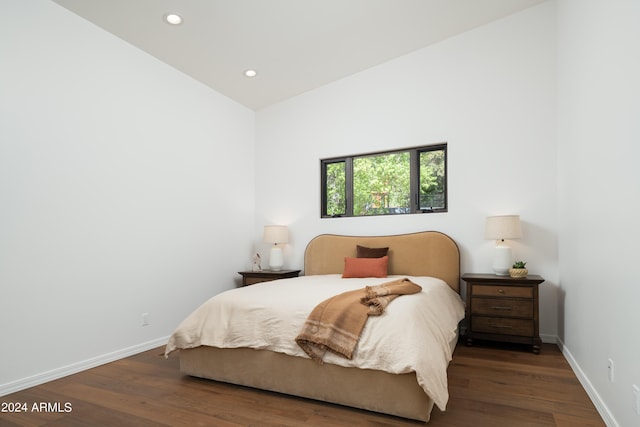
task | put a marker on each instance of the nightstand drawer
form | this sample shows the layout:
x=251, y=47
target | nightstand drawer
x=502, y=291
x=502, y=325
x=253, y=277
x=253, y=280
x=502, y=307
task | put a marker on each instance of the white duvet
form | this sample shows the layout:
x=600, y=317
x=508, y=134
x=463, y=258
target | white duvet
x=412, y=335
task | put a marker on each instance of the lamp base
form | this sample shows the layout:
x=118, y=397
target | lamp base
x=276, y=260
x=502, y=260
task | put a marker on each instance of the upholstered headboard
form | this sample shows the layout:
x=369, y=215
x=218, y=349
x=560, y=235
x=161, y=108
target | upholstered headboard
x=427, y=253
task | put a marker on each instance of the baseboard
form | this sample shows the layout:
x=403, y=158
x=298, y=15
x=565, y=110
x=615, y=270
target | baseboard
x=74, y=368
x=602, y=409
x=549, y=339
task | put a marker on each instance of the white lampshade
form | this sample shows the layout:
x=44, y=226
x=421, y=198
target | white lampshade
x=500, y=228
x=503, y=227
x=276, y=234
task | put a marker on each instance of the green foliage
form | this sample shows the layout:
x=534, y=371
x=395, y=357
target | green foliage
x=432, y=179
x=336, y=197
x=519, y=264
x=381, y=184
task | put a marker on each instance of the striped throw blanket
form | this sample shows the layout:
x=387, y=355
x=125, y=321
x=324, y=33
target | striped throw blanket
x=336, y=323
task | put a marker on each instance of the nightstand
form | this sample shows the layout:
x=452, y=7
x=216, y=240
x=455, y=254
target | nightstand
x=253, y=277
x=501, y=308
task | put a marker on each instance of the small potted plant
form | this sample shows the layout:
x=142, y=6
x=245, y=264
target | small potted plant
x=518, y=270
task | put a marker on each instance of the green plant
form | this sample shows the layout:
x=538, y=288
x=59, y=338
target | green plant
x=519, y=264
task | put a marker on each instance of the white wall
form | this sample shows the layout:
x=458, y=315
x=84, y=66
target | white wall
x=488, y=93
x=124, y=189
x=599, y=196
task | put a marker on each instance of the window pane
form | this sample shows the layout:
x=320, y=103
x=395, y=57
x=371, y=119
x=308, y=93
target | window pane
x=381, y=184
x=432, y=180
x=336, y=198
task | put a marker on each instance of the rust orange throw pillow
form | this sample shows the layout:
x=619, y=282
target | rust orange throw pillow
x=365, y=267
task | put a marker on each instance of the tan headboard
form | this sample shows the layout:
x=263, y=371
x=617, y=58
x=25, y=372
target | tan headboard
x=427, y=253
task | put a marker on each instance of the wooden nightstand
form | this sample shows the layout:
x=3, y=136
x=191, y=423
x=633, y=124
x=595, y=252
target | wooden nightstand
x=252, y=277
x=501, y=308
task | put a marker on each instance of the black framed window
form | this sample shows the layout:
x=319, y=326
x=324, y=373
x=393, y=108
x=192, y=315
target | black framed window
x=409, y=180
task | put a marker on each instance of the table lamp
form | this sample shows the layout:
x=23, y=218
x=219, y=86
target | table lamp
x=499, y=228
x=276, y=234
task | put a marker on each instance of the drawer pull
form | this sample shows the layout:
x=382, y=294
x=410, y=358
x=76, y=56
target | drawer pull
x=501, y=291
x=502, y=308
x=493, y=325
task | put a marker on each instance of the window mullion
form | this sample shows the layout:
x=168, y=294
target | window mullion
x=414, y=180
x=323, y=183
x=348, y=167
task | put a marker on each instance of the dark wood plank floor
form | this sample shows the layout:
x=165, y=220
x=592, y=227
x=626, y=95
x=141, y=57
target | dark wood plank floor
x=489, y=386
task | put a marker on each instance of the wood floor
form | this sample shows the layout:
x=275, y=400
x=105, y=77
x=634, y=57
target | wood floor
x=488, y=386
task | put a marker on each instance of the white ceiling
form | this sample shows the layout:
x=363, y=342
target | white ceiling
x=295, y=45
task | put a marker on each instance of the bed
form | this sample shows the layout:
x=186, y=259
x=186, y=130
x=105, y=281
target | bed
x=408, y=387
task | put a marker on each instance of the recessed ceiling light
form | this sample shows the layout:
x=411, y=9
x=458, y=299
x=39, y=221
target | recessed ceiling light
x=250, y=73
x=173, y=19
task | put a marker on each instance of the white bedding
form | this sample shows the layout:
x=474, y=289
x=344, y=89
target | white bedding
x=412, y=335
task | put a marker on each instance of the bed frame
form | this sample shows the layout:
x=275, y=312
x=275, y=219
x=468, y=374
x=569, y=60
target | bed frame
x=425, y=253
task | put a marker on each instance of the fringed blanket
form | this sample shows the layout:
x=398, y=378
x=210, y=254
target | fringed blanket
x=336, y=323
